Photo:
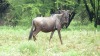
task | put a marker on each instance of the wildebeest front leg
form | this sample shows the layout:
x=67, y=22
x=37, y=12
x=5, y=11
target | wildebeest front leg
x=51, y=35
x=58, y=26
x=60, y=36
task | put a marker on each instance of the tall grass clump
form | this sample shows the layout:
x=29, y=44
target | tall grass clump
x=71, y=52
x=27, y=47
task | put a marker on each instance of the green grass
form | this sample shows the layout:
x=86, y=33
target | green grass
x=77, y=41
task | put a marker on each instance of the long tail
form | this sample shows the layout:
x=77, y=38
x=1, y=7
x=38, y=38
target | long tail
x=31, y=32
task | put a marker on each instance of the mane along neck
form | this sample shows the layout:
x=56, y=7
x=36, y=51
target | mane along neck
x=59, y=16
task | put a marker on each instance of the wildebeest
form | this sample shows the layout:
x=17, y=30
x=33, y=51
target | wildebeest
x=49, y=24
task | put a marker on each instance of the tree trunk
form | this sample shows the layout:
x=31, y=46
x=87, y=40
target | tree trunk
x=88, y=10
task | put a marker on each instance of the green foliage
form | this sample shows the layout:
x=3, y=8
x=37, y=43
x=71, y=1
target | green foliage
x=21, y=12
x=25, y=10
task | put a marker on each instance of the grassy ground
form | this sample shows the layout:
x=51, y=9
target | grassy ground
x=77, y=41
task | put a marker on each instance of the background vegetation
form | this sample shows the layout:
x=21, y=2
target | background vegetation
x=21, y=12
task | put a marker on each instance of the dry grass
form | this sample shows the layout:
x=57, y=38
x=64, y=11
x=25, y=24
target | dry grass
x=13, y=42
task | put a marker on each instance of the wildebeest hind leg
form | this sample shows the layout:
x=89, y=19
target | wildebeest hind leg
x=35, y=33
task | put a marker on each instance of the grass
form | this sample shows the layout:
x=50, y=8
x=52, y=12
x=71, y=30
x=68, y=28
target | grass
x=77, y=41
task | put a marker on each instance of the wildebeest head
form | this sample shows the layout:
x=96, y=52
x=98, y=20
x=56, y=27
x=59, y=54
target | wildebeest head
x=67, y=14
